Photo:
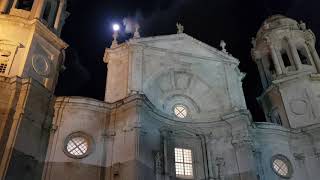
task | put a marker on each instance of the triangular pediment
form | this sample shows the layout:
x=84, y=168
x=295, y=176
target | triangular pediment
x=185, y=44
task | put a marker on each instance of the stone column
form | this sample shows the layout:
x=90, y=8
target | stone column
x=59, y=14
x=261, y=70
x=275, y=60
x=3, y=6
x=39, y=9
x=295, y=55
x=165, y=144
x=207, y=157
x=315, y=55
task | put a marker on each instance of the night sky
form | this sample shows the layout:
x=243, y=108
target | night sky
x=88, y=31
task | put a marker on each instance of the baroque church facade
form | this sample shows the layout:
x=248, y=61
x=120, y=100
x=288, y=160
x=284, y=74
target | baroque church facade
x=174, y=107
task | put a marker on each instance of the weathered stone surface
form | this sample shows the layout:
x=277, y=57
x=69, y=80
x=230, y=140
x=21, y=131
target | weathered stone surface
x=133, y=134
x=31, y=55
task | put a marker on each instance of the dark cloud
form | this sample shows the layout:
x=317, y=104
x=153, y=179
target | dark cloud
x=74, y=77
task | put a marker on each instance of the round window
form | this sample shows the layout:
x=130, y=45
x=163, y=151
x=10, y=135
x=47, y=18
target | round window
x=282, y=166
x=77, y=145
x=180, y=111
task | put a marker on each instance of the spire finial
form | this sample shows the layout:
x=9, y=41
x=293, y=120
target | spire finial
x=136, y=34
x=180, y=28
x=115, y=41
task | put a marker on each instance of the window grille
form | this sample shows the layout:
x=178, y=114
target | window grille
x=3, y=67
x=183, y=163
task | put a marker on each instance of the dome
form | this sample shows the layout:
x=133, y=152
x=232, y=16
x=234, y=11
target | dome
x=277, y=22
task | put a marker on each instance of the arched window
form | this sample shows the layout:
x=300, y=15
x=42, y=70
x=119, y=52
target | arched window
x=285, y=58
x=24, y=4
x=78, y=145
x=303, y=55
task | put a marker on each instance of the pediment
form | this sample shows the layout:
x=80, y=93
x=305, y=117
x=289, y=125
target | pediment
x=186, y=45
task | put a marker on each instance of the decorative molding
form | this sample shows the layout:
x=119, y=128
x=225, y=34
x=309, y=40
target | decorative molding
x=299, y=156
x=41, y=65
x=299, y=106
x=220, y=163
x=158, y=162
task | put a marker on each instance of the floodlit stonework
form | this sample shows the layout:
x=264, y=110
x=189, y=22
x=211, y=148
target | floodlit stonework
x=31, y=54
x=174, y=107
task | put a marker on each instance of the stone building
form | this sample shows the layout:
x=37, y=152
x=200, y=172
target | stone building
x=174, y=107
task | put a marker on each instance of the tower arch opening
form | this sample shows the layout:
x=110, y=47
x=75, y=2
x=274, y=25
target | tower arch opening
x=24, y=4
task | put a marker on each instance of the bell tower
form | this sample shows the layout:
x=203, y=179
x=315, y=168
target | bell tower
x=289, y=66
x=31, y=55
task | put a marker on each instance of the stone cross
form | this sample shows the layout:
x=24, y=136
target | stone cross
x=180, y=28
x=223, y=46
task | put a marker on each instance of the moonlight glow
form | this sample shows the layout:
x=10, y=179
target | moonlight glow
x=116, y=27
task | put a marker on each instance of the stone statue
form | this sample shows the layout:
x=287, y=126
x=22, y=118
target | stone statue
x=254, y=42
x=223, y=45
x=158, y=158
x=180, y=28
x=303, y=26
x=266, y=26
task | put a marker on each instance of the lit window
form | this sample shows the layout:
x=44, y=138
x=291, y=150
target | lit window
x=180, y=111
x=281, y=166
x=183, y=163
x=77, y=145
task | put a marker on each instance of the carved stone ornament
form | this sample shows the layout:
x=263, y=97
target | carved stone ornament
x=4, y=55
x=180, y=28
x=41, y=65
x=299, y=106
x=158, y=161
x=223, y=45
x=303, y=26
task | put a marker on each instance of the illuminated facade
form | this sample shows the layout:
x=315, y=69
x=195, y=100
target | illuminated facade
x=31, y=55
x=174, y=107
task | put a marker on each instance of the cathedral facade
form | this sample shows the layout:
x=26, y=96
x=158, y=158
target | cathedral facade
x=174, y=107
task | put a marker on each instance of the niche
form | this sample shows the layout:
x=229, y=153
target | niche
x=24, y=4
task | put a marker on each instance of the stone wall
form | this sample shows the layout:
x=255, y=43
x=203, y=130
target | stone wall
x=25, y=135
x=301, y=147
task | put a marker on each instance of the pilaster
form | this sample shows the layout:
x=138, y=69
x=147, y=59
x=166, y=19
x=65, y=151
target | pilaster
x=275, y=60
